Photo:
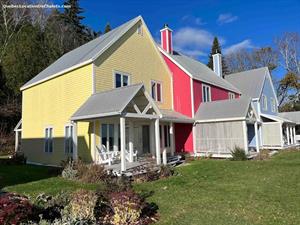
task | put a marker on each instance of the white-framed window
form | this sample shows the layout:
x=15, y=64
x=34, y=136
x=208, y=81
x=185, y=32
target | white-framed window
x=206, y=93
x=273, y=105
x=167, y=136
x=156, y=90
x=265, y=102
x=140, y=29
x=48, y=145
x=68, y=139
x=121, y=79
x=107, y=136
x=231, y=95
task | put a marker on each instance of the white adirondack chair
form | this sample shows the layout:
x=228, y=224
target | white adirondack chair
x=127, y=155
x=104, y=156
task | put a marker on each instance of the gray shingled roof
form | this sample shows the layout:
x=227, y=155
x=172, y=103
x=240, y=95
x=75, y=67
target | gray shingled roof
x=293, y=116
x=250, y=82
x=107, y=103
x=201, y=72
x=170, y=115
x=224, y=109
x=84, y=53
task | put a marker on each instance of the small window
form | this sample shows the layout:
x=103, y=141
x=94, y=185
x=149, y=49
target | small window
x=265, y=102
x=48, y=146
x=140, y=29
x=273, y=103
x=231, y=95
x=121, y=80
x=156, y=91
x=68, y=139
x=206, y=93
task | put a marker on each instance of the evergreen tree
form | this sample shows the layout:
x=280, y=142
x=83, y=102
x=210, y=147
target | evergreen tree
x=216, y=48
x=107, y=28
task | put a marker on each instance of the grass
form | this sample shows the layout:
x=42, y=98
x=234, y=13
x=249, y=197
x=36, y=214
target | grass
x=203, y=192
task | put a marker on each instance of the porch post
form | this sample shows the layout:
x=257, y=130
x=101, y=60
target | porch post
x=245, y=136
x=163, y=144
x=116, y=138
x=294, y=133
x=287, y=134
x=75, y=141
x=157, y=142
x=16, y=140
x=291, y=135
x=131, y=140
x=152, y=138
x=172, y=136
x=93, y=140
x=122, y=133
x=256, y=136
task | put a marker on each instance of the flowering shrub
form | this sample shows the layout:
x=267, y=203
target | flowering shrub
x=14, y=208
x=70, y=171
x=127, y=207
x=82, y=205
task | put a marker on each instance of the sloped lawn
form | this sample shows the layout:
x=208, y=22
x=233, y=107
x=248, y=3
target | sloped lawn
x=203, y=192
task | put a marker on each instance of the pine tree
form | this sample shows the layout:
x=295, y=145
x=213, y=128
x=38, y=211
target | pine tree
x=216, y=48
x=107, y=28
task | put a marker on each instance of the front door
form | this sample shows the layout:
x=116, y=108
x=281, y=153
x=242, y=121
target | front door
x=146, y=139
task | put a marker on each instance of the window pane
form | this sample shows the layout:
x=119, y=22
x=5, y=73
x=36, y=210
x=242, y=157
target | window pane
x=125, y=80
x=104, y=134
x=204, y=94
x=158, y=85
x=166, y=135
x=117, y=80
x=208, y=94
x=153, y=90
x=111, y=136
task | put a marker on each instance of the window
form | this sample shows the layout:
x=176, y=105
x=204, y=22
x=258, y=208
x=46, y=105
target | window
x=121, y=79
x=265, y=102
x=107, y=136
x=48, y=146
x=68, y=139
x=206, y=94
x=273, y=105
x=231, y=95
x=156, y=91
x=140, y=29
x=167, y=136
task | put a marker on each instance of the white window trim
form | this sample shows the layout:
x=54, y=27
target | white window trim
x=231, y=95
x=209, y=88
x=273, y=105
x=68, y=125
x=122, y=74
x=48, y=127
x=161, y=91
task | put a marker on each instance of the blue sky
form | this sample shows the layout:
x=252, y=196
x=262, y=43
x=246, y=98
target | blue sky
x=238, y=24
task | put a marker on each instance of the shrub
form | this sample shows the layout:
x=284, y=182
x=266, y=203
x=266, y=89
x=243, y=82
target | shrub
x=127, y=207
x=82, y=205
x=238, y=154
x=118, y=184
x=70, y=171
x=19, y=158
x=263, y=155
x=93, y=174
x=166, y=171
x=14, y=209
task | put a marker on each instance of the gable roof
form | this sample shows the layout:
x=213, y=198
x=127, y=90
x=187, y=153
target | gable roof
x=82, y=55
x=229, y=109
x=107, y=103
x=250, y=82
x=276, y=118
x=199, y=71
x=293, y=116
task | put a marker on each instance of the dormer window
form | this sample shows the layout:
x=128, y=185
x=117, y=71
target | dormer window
x=231, y=95
x=206, y=93
x=121, y=79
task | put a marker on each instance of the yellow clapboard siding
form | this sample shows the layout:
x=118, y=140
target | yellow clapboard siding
x=52, y=103
x=136, y=55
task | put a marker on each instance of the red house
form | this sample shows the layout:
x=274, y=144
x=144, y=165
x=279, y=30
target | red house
x=193, y=84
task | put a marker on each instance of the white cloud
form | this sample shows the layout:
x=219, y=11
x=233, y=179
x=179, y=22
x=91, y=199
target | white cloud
x=246, y=44
x=193, y=41
x=226, y=18
x=192, y=19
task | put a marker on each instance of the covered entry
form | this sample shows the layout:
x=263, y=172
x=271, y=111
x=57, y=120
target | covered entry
x=125, y=121
x=223, y=125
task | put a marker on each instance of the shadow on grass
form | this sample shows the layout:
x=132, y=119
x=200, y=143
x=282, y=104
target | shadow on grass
x=20, y=174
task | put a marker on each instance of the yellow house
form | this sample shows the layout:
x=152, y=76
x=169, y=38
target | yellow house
x=107, y=101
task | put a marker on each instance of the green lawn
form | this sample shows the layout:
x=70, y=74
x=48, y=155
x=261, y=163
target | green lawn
x=203, y=192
